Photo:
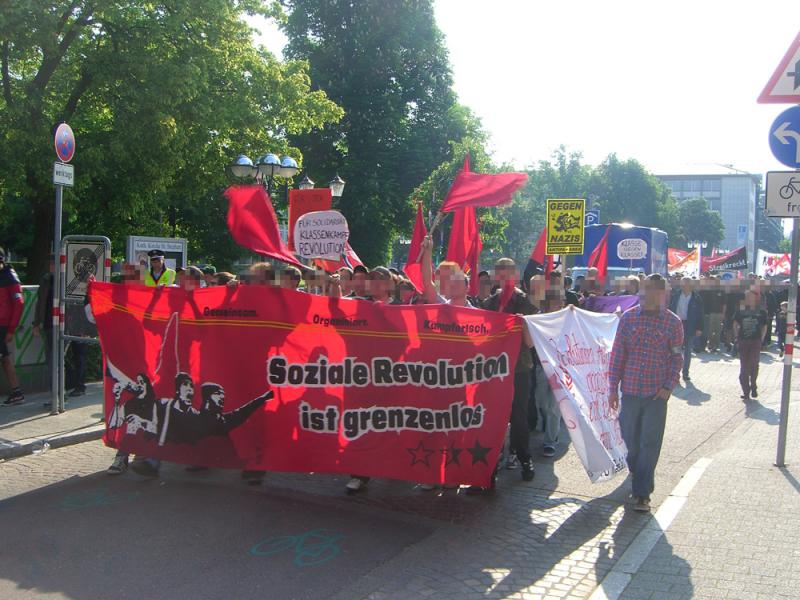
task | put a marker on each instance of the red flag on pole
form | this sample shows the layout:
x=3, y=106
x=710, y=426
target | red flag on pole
x=462, y=235
x=478, y=189
x=254, y=225
x=473, y=260
x=599, y=256
x=413, y=268
x=539, y=262
x=350, y=259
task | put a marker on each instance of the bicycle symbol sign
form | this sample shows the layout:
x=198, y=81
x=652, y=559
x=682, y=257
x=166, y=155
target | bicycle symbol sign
x=783, y=194
x=310, y=549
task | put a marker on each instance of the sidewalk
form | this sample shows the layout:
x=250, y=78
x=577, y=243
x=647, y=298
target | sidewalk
x=736, y=535
x=25, y=428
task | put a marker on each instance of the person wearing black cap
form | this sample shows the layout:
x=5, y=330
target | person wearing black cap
x=10, y=314
x=159, y=273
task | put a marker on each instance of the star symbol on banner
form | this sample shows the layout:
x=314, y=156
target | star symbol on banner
x=478, y=453
x=420, y=454
x=452, y=455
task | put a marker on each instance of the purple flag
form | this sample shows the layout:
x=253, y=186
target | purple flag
x=609, y=304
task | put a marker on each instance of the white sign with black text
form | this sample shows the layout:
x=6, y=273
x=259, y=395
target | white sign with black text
x=632, y=249
x=783, y=194
x=321, y=234
x=63, y=174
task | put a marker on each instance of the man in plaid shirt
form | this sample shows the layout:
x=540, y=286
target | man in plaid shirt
x=646, y=360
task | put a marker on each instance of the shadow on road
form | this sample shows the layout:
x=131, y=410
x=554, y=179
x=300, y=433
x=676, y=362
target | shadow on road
x=102, y=537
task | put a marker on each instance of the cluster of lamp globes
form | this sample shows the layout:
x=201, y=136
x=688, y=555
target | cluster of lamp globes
x=268, y=166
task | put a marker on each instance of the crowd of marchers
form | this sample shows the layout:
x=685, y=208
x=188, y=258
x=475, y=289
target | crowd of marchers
x=672, y=319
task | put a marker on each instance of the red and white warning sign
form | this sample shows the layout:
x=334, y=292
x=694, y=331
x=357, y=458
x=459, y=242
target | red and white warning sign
x=784, y=85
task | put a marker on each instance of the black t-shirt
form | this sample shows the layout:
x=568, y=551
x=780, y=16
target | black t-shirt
x=750, y=323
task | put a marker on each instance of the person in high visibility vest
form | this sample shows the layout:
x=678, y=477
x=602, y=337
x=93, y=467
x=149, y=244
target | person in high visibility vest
x=159, y=273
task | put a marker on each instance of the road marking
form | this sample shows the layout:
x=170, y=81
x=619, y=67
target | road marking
x=615, y=582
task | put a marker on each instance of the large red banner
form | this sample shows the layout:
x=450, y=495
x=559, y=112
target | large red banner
x=264, y=378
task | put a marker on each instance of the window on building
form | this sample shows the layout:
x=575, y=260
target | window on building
x=691, y=185
x=715, y=204
x=711, y=185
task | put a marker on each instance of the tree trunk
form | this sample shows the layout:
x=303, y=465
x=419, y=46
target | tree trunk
x=42, y=237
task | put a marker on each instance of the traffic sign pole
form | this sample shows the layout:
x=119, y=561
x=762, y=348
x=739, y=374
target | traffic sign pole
x=64, y=142
x=56, y=362
x=788, y=352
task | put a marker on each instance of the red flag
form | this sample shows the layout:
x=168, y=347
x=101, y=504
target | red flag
x=599, y=256
x=462, y=234
x=254, y=225
x=476, y=189
x=350, y=259
x=306, y=201
x=473, y=262
x=413, y=268
x=539, y=262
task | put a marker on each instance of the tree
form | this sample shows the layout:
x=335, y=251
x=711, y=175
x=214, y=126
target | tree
x=698, y=222
x=624, y=191
x=563, y=176
x=386, y=64
x=160, y=95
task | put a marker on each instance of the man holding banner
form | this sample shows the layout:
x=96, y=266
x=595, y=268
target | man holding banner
x=646, y=363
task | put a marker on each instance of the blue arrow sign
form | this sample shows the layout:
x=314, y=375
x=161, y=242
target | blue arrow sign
x=784, y=137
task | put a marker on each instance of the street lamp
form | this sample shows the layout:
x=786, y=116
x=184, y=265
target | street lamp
x=337, y=186
x=265, y=169
x=306, y=183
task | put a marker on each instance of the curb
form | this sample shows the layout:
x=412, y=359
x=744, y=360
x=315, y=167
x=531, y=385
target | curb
x=9, y=450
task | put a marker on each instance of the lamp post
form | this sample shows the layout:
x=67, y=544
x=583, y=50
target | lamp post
x=336, y=185
x=265, y=169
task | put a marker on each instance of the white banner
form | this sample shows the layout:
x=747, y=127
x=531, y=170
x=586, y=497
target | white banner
x=769, y=264
x=574, y=347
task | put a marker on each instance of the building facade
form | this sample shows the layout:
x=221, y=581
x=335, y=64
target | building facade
x=733, y=196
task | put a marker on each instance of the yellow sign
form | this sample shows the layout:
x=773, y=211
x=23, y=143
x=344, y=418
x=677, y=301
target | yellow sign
x=565, y=225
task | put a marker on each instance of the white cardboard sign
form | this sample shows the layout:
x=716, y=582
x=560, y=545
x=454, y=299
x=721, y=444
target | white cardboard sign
x=321, y=234
x=632, y=249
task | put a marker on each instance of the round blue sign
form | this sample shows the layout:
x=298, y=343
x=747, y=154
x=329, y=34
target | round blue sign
x=65, y=143
x=784, y=137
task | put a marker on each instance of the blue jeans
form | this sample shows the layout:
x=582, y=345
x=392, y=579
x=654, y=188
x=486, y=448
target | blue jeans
x=642, y=421
x=688, y=343
x=548, y=408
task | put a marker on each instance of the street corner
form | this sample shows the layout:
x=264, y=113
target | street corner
x=67, y=540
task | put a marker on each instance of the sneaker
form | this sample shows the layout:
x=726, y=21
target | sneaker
x=687, y=378
x=144, y=468
x=512, y=462
x=355, y=485
x=15, y=398
x=745, y=397
x=642, y=505
x=754, y=393
x=78, y=391
x=119, y=466
x=548, y=451
x=528, y=471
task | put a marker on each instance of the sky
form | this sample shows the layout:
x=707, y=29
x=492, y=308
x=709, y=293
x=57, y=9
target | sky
x=671, y=84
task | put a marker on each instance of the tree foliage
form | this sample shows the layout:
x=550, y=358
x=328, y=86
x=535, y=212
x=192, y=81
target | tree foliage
x=386, y=64
x=699, y=222
x=161, y=97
